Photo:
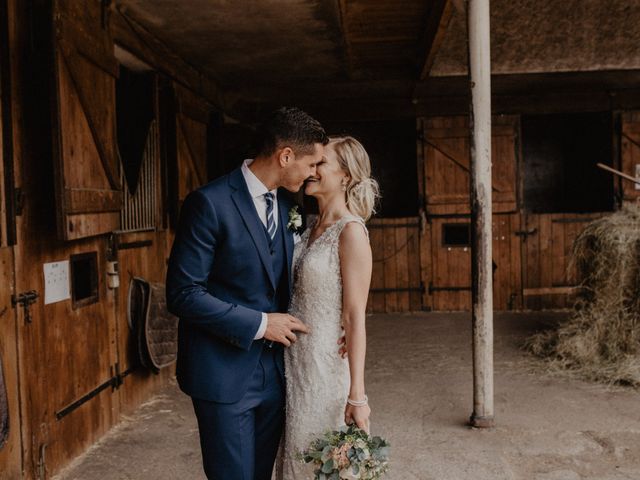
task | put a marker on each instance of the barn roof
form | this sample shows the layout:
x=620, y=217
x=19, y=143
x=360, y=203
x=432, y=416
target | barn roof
x=306, y=51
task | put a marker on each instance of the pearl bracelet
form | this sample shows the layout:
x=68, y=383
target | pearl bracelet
x=358, y=403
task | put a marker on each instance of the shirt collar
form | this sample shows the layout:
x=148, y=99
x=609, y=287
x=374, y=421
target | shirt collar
x=255, y=186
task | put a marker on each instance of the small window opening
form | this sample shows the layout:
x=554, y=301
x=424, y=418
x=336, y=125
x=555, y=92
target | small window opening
x=456, y=235
x=84, y=279
x=560, y=153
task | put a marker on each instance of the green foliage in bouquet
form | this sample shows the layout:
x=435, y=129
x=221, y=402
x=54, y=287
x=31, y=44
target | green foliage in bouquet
x=347, y=454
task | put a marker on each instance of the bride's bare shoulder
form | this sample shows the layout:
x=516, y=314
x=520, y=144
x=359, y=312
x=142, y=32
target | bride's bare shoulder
x=354, y=235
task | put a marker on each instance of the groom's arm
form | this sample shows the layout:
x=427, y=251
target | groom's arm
x=190, y=263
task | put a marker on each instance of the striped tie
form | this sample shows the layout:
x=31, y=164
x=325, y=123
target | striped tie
x=271, y=224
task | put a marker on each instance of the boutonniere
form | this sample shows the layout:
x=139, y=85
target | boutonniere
x=295, y=220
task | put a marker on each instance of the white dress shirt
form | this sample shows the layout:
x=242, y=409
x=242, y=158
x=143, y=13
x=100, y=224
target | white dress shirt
x=257, y=189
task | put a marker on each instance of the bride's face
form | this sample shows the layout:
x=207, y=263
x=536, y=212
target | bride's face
x=329, y=175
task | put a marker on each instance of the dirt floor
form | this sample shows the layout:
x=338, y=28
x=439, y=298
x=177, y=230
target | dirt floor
x=420, y=388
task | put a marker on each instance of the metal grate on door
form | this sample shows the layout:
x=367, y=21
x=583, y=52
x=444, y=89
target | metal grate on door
x=140, y=208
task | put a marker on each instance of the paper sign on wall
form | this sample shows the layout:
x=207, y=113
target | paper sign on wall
x=56, y=282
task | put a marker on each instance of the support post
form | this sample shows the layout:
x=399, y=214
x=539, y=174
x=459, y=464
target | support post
x=481, y=214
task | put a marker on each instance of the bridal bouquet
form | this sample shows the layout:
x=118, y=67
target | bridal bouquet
x=347, y=454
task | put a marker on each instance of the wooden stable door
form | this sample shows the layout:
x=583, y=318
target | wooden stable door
x=10, y=441
x=549, y=280
x=449, y=283
x=67, y=343
x=444, y=162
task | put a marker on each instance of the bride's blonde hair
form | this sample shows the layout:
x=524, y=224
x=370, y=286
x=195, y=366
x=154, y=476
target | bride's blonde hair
x=362, y=190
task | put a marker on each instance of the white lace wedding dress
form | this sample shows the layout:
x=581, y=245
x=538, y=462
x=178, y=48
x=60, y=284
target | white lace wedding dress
x=317, y=377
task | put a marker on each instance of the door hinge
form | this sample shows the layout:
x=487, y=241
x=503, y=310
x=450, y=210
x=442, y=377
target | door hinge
x=525, y=233
x=25, y=299
x=42, y=462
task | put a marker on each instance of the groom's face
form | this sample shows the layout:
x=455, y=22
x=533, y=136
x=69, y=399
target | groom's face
x=300, y=167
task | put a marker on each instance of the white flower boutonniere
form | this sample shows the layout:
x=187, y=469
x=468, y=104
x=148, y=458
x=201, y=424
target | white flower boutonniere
x=295, y=220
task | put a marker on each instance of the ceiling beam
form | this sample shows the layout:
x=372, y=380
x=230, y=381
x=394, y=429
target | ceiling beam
x=437, y=22
x=133, y=38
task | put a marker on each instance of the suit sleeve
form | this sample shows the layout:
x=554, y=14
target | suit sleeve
x=192, y=256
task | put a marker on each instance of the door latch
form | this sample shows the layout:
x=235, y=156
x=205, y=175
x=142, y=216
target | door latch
x=526, y=233
x=25, y=299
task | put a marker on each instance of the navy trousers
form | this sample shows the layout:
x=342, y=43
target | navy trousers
x=239, y=441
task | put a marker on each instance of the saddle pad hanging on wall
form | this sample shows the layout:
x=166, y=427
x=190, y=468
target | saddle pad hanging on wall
x=155, y=329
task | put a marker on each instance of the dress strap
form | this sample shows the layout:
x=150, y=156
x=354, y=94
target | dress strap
x=344, y=221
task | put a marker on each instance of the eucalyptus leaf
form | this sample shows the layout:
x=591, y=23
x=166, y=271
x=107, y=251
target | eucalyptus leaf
x=327, y=467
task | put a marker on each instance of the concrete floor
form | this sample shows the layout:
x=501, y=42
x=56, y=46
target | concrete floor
x=420, y=388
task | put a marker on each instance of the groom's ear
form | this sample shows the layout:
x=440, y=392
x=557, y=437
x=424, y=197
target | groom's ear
x=285, y=156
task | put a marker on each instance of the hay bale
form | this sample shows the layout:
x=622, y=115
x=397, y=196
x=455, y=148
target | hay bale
x=601, y=339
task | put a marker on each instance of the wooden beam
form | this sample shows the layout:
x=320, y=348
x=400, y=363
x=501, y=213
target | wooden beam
x=481, y=214
x=134, y=38
x=535, y=83
x=438, y=19
x=528, y=292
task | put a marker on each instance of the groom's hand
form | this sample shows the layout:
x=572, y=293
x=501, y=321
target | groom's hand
x=281, y=328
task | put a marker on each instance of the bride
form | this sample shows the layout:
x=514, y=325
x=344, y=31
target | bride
x=332, y=272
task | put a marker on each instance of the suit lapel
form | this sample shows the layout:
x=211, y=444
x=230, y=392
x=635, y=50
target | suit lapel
x=244, y=203
x=283, y=210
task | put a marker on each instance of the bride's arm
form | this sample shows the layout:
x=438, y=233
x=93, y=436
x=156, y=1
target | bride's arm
x=355, y=266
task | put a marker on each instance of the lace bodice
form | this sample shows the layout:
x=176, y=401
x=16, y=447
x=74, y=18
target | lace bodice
x=317, y=377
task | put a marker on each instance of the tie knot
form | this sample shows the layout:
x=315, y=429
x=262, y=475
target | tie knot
x=268, y=197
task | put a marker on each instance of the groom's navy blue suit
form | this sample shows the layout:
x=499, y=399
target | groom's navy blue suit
x=224, y=271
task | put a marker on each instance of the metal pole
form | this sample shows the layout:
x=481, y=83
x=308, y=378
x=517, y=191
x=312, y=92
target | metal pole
x=481, y=271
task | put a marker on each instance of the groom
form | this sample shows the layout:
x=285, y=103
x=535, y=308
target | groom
x=228, y=279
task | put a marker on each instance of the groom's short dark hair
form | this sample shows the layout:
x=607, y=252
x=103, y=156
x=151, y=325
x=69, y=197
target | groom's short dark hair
x=290, y=126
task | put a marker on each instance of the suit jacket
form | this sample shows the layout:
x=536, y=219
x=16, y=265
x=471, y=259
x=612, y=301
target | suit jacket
x=219, y=281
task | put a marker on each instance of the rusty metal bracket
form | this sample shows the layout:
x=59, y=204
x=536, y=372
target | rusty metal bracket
x=25, y=299
x=433, y=288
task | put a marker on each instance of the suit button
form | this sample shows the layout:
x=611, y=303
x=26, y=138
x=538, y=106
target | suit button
x=270, y=295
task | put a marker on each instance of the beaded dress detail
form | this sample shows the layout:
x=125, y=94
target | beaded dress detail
x=317, y=377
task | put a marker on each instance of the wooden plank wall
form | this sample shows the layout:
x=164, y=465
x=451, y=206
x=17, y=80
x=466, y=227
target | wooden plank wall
x=64, y=353
x=507, y=258
x=547, y=254
x=134, y=262
x=11, y=451
x=396, y=277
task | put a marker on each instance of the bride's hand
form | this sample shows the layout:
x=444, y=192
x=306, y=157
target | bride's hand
x=358, y=415
x=342, y=350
